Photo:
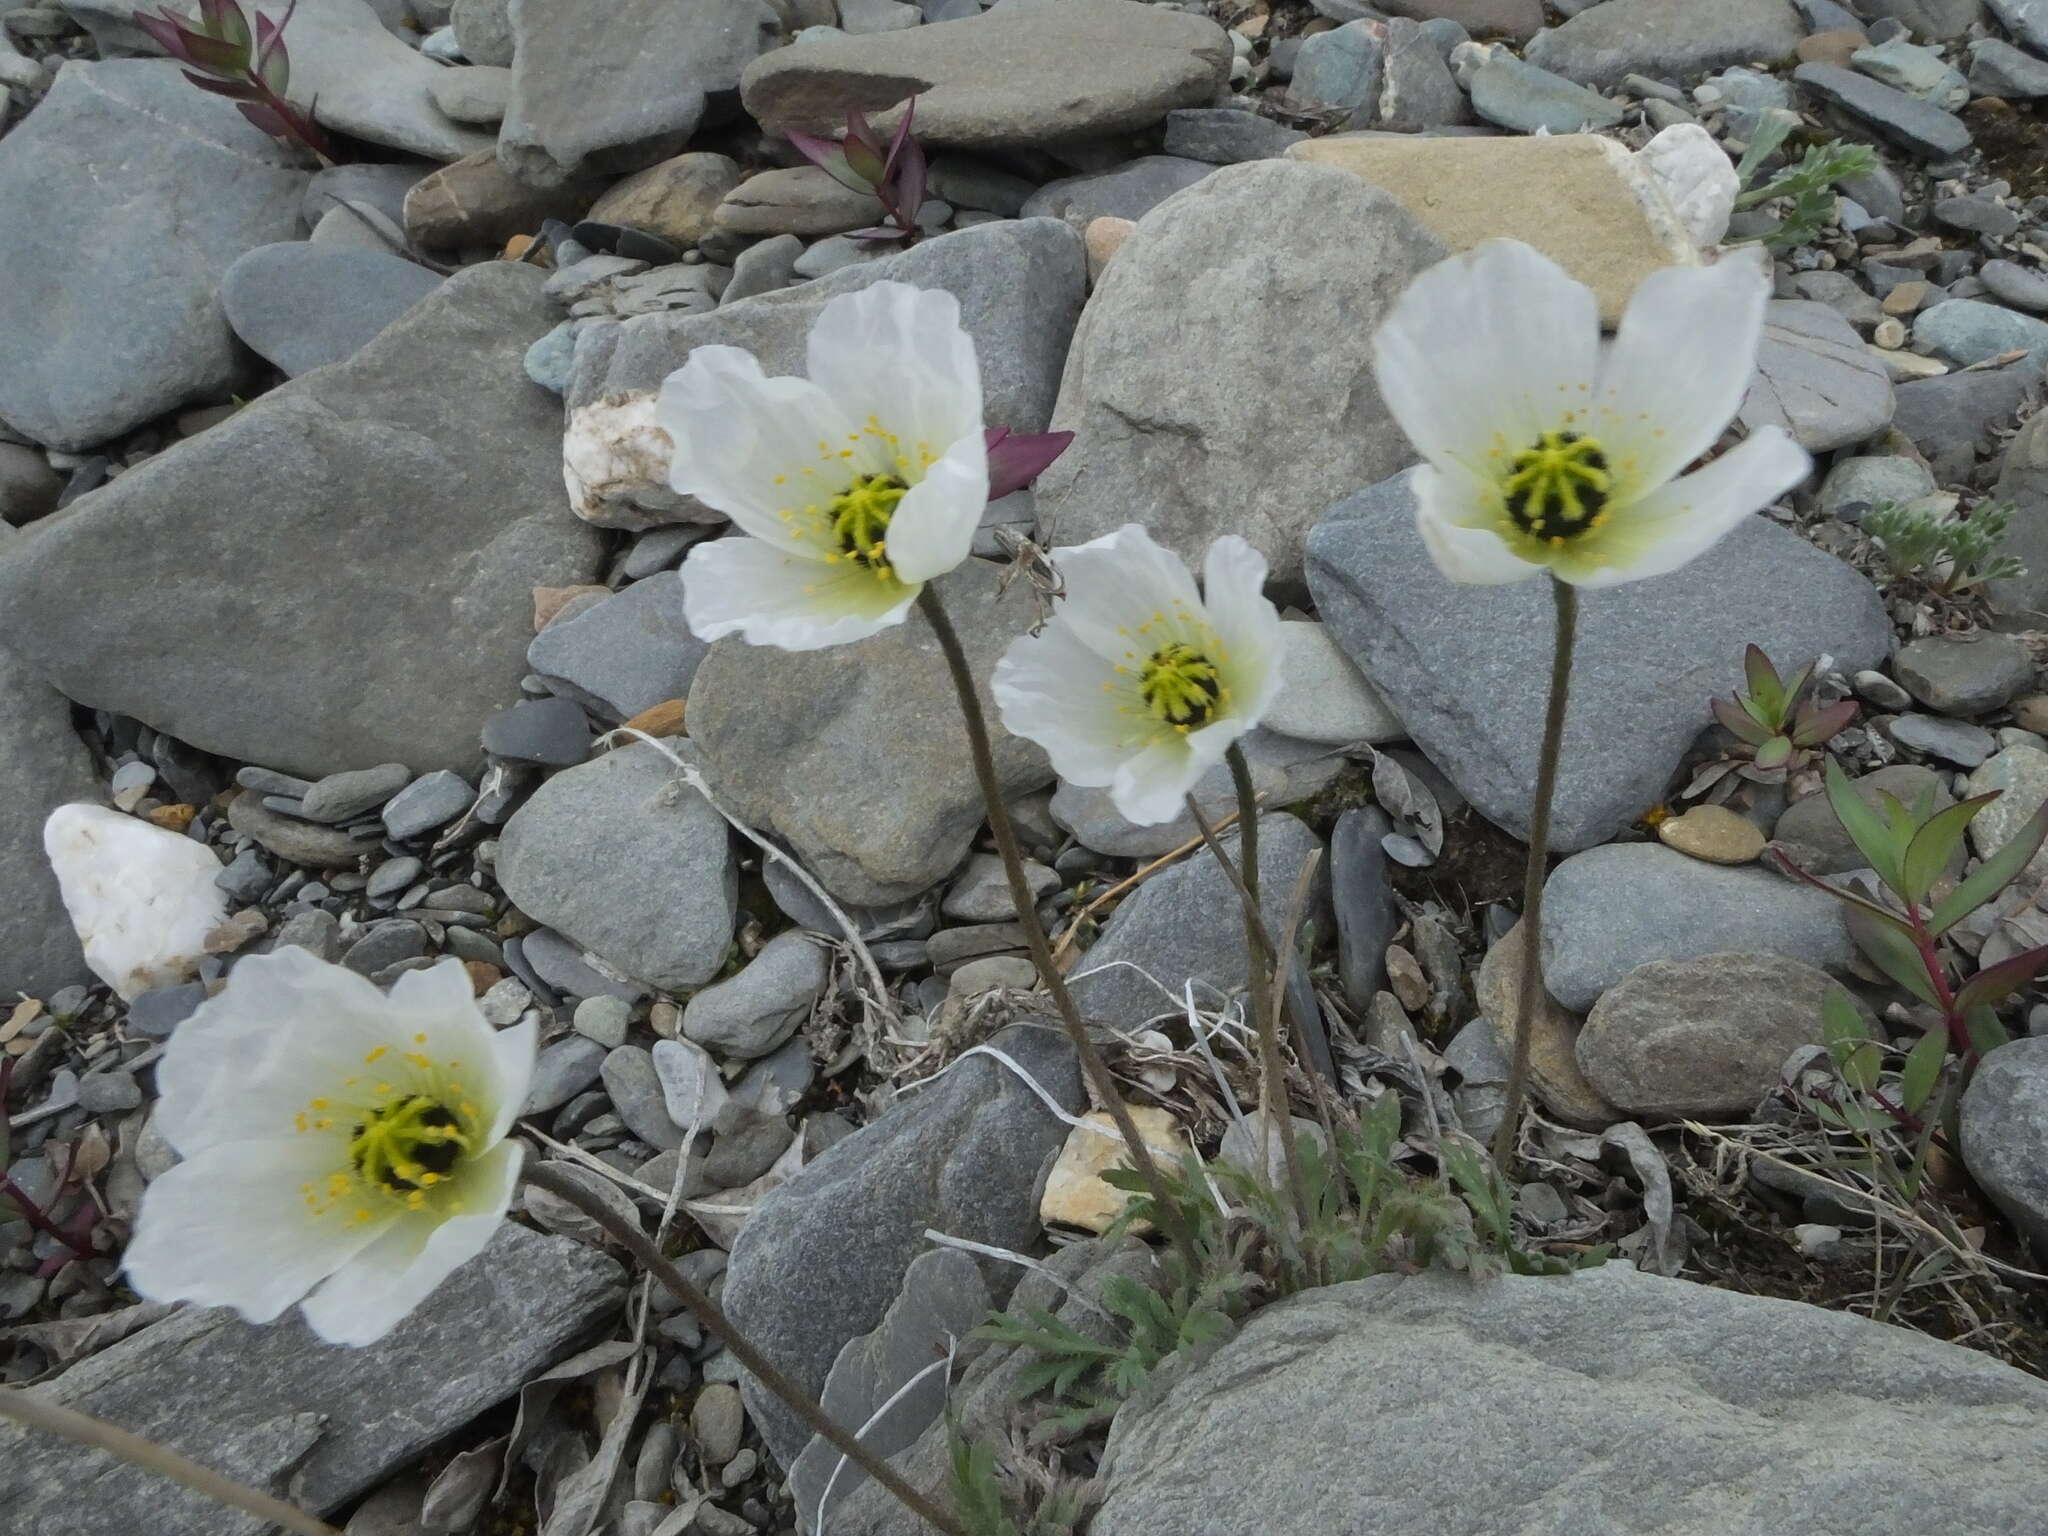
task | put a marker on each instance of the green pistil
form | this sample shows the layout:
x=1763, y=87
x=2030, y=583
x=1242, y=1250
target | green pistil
x=1558, y=489
x=407, y=1145
x=1179, y=685
x=860, y=520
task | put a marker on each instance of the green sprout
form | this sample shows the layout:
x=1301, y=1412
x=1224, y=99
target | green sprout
x=1774, y=723
x=1806, y=187
x=1949, y=555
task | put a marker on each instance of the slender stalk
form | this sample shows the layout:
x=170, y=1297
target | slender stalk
x=1566, y=598
x=1273, y=1099
x=84, y=1429
x=713, y=1317
x=1093, y=1067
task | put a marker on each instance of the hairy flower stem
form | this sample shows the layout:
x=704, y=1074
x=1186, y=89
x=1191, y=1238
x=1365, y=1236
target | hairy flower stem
x=1264, y=983
x=96, y=1434
x=709, y=1313
x=1093, y=1067
x=1566, y=598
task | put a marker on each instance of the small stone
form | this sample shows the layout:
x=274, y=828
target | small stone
x=315, y=931
x=1973, y=675
x=1968, y=331
x=1713, y=833
x=475, y=94
x=293, y=840
x=692, y=1092
x=1953, y=741
x=2011, y=283
x=604, y=1019
x=561, y=1071
x=385, y=945
x=990, y=973
x=104, y=1093
x=2031, y=713
x=1103, y=237
x=160, y=1010
x=562, y=965
x=1855, y=485
x=717, y=1420
x=342, y=797
x=794, y=200
x=2020, y=777
x=2005, y=1132
x=1816, y=379
x=981, y=891
x=427, y=804
x=640, y=1096
x=391, y=878
x=554, y=732
x=658, y=720
x=1076, y=1194
x=1323, y=696
x=1519, y=95
x=1914, y=125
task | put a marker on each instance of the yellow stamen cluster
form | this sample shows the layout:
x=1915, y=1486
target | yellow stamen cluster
x=860, y=522
x=401, y=1142
x=1557, y=489
x=854, y=522
x=1181, y=686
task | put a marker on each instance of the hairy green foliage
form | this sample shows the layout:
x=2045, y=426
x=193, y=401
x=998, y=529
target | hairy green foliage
x=1951, y=555
x=1805, y=188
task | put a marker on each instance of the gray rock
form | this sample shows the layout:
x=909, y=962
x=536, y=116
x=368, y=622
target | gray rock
x=2026, y=20
x=1609, y=910
x=1283, y=771
x=1855, y=485
x=1456, y=664
x=1666, y=39
x=630, y=863
x=1842, y=293
x=346, y=796
x=477, y=95
x=1816, y=379
x=623, y=654
x=1323, y=697
x=1199, y=418
x=1934, y=21
x=316, y=931
x=967, y=181
x=854, y=755
x=1679, y=1038
x=1746, y=95
x=1185, y=924
x=554, y=732
x=1339, y=72
x=2005, y=1133
x=603, y=87
x=1519, y=95
x=981, y=892
x=1523, y=1389
x=29, y=488
x=1959, y=409
x=754, y=1010
x=1977, y=216
x=1999, y=69
x=942, y=1300
x=1812, y=824
x=1419, y=90
x=1917, y=71
x=386, y=944
x=1025, y=73
x=1949, y=740
x=1225, y=135
x=1020, y=285
x=2023, y=482
x=427, y=804
x=380, y=188
x=821, y=1258
x=1916, y=126
x=691, y=1090
x=2019, y=777
x=484, y=29
x=419, y=480
x=1966, y=331
x=795, y=200
x=2010, y=283
x=640, y=1096
x=159, y=1011
x=43, y=765
x=166, y=186
x=293, y=840
x=270, y=1406
x=1130, y=191
x=1957, y=675
x=604, y=1019
x=563, y=1069
x=1364, y=901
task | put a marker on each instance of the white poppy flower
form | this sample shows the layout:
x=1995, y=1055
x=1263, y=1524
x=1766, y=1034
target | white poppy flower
x=1546, y=454
x=342, y=1147
x=142, y=899
x=1139, y=683
x=854, y=486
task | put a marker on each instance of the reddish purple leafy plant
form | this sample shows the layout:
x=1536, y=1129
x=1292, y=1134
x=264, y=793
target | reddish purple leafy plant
x=223, y=54
x=895, y=175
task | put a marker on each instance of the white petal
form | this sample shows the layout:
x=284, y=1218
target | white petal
x=230, y=1227
x=736, y=431
x=1474, y=556
x=373, y=1292
x=286, y=1028
x=1681, y=363
x=1485, y=352
x=1234, y=592
x=741, y=586
x=898, y=355
x=1051, y=689
x=1152, y=786
x=1691, y=514
x=933, y=527
x=1115, y=584
x=142, y=899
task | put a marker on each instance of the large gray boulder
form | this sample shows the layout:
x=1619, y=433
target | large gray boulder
x=856, y=756
x=822, y=1257
x=1025, y=72
x=339, y=575
x=164, y=186
x=43, y=765
x=1608, y=1401
x=1020, y=284
x=273, y=1407
x=603, y=87
x=1221, y=382
x=1466, y=668
x=1666, y=38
